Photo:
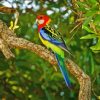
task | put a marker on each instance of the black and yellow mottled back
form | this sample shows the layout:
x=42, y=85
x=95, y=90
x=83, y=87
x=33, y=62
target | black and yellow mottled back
x=56, y=35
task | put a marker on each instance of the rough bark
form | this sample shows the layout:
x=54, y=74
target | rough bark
x=8, y=40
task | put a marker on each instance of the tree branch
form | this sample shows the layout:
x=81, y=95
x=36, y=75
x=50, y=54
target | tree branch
x=5, y=49
x=13, y=41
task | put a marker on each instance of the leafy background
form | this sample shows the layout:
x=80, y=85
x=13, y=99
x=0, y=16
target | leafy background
x=27, y=76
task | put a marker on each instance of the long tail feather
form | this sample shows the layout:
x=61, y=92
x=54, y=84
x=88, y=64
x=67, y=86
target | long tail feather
x=63, y=69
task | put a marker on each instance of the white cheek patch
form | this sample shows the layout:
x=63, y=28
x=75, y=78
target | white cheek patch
x=41, y=21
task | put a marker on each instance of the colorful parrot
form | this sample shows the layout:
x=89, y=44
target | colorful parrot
x=52, y=39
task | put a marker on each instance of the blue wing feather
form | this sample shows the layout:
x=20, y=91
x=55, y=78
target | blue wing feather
x=47, y=37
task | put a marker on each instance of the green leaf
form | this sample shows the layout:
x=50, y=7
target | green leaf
x=97, y=20
x=96, y=47
x=89, y=36
x=92, y=1
x=81, y=4
x=87, y=20
x=87, y=29
x=90, y=13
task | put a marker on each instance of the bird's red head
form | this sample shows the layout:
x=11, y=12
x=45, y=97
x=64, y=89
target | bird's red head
x=42, y=20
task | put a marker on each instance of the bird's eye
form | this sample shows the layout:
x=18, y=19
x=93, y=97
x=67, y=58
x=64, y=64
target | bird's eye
x=41, y=17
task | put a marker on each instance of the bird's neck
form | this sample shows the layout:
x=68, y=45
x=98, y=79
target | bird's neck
x=41, y=26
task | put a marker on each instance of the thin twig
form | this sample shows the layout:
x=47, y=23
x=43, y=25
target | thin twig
x=75, y=27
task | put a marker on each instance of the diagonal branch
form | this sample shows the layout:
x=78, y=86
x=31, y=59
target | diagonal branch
x=13, y=41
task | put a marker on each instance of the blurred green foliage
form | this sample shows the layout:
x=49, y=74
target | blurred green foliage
x=27, y=76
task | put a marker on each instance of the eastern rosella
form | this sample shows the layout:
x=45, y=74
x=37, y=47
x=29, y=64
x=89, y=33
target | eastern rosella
x=52, y=39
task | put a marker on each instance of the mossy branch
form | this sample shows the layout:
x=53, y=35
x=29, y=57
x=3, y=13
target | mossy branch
x=8, y=40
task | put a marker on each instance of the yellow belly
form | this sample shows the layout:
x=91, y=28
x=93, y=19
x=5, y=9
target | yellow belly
x=54, y=48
